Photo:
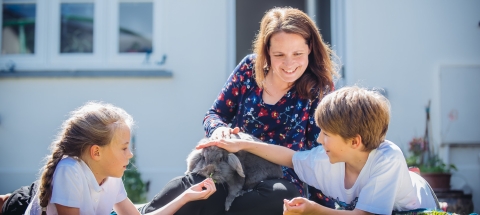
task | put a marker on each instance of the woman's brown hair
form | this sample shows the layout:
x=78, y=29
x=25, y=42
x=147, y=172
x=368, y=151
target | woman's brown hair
x=318, y=77
x=92, y=124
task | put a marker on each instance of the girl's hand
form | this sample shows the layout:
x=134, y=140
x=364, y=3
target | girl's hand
x=224, y=133
x=297, y=206
x=196, y=192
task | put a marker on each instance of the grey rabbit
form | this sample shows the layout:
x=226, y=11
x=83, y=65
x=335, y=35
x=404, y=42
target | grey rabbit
x=241, y=171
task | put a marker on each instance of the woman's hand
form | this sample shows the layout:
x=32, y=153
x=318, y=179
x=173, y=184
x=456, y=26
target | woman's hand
x=224, y=133
x=196, y=192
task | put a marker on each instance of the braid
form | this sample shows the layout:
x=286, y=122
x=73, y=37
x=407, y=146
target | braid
x=47, y=176
x=91, y=124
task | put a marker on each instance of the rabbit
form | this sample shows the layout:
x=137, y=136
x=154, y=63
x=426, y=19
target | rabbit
x=240, y=171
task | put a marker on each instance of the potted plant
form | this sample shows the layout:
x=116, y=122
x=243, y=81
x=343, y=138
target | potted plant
x=431, y=166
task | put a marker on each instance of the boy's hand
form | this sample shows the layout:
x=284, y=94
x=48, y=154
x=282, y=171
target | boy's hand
x=231, y=145
x=297, y=205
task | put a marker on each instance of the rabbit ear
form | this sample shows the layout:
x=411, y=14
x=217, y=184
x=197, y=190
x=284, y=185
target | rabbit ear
x=200, y=165
x=195, y=161
x=234, y=162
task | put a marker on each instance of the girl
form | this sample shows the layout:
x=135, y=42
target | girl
x=83, y=173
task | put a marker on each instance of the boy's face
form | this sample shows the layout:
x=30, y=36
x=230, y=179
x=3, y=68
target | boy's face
x=335, y=146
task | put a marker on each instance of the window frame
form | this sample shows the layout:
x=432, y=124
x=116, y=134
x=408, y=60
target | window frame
x=105, y=56
x=27, y=60
x=65, y=60
x=114, y=56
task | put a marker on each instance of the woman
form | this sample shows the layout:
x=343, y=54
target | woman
x=273, y=93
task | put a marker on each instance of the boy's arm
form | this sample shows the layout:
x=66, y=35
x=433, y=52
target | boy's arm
x=273, y=153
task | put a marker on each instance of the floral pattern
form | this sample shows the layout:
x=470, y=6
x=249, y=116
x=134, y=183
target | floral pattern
x=290, y=122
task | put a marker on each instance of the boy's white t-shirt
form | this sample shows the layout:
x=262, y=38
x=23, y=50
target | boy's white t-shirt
x=74, y=185
x=383, y=185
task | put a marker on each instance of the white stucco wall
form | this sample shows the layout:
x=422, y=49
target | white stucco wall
x=396, y=45
x=401, y=46
x=168, y=111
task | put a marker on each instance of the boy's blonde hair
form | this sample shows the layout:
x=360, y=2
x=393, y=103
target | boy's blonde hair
x=353, y=110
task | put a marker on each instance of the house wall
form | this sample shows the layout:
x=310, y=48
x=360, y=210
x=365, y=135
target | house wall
x=168, y=111
x=401, y=46
x=397, y=45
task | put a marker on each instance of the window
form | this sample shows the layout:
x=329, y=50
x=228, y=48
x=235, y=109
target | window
x=135, y=32
x=18, y=28
x=76, y=27
x=135, y=27
x=71, y=35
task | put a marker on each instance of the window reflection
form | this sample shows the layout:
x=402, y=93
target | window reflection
x=135, y=27
x=76, y=31
x=18, y=28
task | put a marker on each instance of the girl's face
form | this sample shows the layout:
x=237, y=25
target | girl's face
x=335, y=146
x=117, y=154
x=289, y=56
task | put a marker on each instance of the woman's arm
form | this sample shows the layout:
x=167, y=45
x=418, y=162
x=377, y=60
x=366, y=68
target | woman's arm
x=196, y=192
x=227, y=102
x=273, y=153
x=313, y=130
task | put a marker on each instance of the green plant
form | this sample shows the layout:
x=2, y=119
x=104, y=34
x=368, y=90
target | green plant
x=436, y=165
x=134, y=185
x=431, y=164
x=423, y=155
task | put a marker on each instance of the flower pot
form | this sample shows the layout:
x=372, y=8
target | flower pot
x=438, y=181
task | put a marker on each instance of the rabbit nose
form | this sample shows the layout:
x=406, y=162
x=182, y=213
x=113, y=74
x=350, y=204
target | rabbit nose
x=209, y=168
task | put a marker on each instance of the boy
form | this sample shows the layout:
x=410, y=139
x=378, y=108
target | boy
x=357, y=170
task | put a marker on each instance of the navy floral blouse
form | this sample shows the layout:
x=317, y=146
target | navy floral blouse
x=290, y=122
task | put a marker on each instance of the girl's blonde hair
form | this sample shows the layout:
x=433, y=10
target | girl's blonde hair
x=318, y=77
x=92, y=124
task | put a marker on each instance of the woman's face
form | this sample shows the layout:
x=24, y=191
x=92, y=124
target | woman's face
x=289, y=56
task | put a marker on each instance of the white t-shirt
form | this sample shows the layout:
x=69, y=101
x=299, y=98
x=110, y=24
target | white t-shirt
x=74, y=185
x=384, y=183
